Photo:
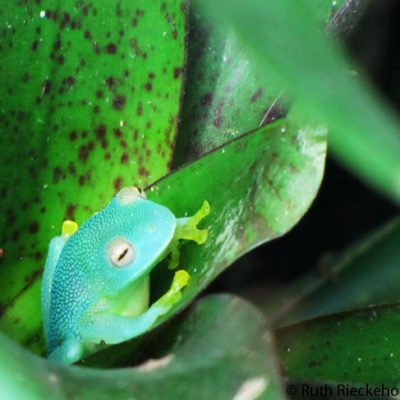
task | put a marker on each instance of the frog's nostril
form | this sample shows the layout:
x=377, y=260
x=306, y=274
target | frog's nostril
x=130, y=194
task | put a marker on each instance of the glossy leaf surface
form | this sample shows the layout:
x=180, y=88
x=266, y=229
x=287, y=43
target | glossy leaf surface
x=227, y=92
x=89, y=102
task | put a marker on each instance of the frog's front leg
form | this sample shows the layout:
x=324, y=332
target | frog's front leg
x=186, y=228
x=112, y=329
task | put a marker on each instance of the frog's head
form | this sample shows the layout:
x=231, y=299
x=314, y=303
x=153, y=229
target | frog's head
x=121, y=243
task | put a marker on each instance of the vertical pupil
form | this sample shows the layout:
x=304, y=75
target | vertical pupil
x=123, y=254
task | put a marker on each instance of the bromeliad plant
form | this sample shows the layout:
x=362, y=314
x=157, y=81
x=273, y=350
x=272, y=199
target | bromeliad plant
x=165, y=96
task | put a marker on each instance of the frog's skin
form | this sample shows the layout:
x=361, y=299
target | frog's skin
x=95, y=289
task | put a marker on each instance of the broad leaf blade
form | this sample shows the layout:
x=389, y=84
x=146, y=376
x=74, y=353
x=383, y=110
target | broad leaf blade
x=227, y=92
x=89, y=102
x=219, y=351
x=258, y=186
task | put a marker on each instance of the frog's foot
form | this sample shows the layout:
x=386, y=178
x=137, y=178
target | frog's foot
x=187, y=227
x=69, y=228
x=174, y=294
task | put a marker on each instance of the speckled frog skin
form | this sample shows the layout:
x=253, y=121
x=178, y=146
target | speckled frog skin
x=95, y=289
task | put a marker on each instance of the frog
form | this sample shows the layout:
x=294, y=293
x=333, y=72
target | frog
x=96, y=282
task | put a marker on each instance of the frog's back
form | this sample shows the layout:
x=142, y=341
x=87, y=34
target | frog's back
x=84, y=274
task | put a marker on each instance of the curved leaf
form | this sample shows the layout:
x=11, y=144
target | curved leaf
x=219, y=351
x=258, y=186
x=227, y=92
x=89, y=102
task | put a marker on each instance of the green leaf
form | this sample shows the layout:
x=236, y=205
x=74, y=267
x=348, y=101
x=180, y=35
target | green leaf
x=365, y=274
x=258, y=186
x=220, y=350
x=89, y=102
x=363, y=134
x=356, y=347
x=227, y=92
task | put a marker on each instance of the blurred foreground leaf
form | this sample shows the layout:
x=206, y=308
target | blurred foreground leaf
x=220, y=351
x=363, y=133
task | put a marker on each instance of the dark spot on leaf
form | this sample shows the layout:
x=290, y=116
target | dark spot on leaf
x=134, y=22
x=69, y=81
x=57, y=173
x=107, y=156
x=119, y=102
x=71, y=211
x=83, y=153
x=207, y=99
x=256, y=95
x=151, y=75
x=87, y=35
x=46, y=87
x=25, y=77
x=143, y=171
x=118, y=183
x=218, y=122
x=117, y=132
x=71, y=168
x=35, y=45
x=139, y=110
x=111, y=48
x=124, y=158
x=33, y=227
x=101, y=131
x=38, y=256
x=99, y=94
x=73, y=136
x=178, y=72
x=148, y=86
x=110, y=82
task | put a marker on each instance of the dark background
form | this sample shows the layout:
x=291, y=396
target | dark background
x=345, y=209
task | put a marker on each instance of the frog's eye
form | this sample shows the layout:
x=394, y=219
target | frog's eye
x=120, y=252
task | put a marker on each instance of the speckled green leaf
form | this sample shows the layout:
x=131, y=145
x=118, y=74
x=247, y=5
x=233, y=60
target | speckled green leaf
x=220, y=352
x=365, y=274
x=89, y=99
x=357, y=347
x=227, y=92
